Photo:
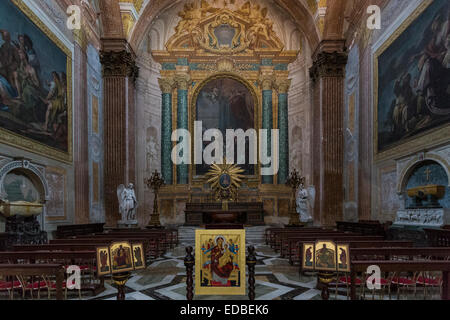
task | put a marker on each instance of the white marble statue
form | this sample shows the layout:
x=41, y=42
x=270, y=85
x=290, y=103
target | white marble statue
x=305, y=199
x=127, y=202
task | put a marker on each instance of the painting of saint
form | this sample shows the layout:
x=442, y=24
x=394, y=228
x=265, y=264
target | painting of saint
x=308, y=256
x=138, y=256
x=121, y=257
x=343, y=258
x=226, y=103
x=414, y=78
x=103, y=261
x=221, y=260
x=225, y=181
x=325, y=256
x=34, y=100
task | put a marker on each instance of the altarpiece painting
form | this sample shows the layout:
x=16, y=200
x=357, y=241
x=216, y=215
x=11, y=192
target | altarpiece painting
x=226, y=103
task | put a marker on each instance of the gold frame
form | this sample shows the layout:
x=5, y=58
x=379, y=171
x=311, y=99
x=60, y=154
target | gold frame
x=345, y=247
x=305, y=246
x=99, y=272
x=141, y=246
x=111, y=248
x=427, y=139
x=330, y=245
x=242, y=263
x=197, y=179
x=18, y=141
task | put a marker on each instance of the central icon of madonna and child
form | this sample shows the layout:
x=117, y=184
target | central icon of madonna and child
x=226, y=103
x=220, y=266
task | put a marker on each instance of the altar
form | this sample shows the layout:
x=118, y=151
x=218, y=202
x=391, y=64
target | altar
x=247, y=213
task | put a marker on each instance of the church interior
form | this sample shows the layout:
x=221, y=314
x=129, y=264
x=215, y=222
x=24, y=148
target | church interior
x=224, y=150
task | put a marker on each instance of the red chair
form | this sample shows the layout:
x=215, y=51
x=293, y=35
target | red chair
x=403, y=282
x=428, y=281
x=32, y=285
x=10, y=286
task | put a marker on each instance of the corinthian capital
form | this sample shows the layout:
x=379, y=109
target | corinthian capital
x=266, y=81
x=183, y=81
x=119, y=64
x=329, y=64
x=283, y=85
x=166, y=84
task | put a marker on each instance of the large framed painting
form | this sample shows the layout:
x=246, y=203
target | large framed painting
x=220, y=262
x=226, y=102
x=412, y=81
x=35, y=84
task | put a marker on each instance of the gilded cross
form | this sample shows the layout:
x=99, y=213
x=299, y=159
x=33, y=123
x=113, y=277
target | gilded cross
x=427, y=174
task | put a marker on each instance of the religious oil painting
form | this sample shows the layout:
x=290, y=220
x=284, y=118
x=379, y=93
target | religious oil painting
x=121, y=257
x=138, y=256
x=220, y=262
x=343, y=258
x=226, y=103
x=35, y=84
x=413, y=77
x=103, y=262
x=325, y=256
x=308, y=256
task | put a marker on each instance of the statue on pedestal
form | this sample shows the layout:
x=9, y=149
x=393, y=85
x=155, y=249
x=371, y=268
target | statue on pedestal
x=305, y=197
x=127, y=204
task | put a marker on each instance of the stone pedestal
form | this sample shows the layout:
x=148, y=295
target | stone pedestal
x=129, y=224
x=425, y=217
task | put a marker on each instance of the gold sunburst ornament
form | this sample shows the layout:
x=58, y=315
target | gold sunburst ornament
x=225, y=180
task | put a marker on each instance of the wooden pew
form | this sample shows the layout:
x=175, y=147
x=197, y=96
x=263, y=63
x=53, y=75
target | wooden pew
x=55, y=247
x=402, y=266
x=438, y=237
x=151, y=248
x=37, y=270
x=65, y=231
x=271, y=233
x=366, y=228
x=86, y=260
x=283, y=240
x=156, y=244
x=164, y=238
x=171, y=234
x=297, y=256
x=377, y=256
x=275, y=238
x=296, y=243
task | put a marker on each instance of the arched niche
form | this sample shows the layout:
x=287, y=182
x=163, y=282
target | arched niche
x=414, y=163
x=426, y=172
x=31, y=173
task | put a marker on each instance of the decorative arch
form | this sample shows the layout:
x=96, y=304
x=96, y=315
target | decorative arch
x=414, y=163
x=28, y=169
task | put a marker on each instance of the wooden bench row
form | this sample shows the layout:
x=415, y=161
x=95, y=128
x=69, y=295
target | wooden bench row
x=17, y=271
x=85, y=260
